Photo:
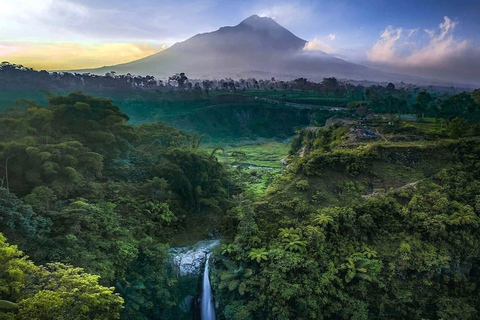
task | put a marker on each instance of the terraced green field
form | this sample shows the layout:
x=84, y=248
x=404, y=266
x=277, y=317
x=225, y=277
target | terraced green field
x=265, y=154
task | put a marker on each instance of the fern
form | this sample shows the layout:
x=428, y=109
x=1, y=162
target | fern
x=7, y=305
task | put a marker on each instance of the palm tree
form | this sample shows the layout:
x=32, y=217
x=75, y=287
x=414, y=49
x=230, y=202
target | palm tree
x=197, y=140
x=287, y=232
x=369, y=253
x=212, y=155
x=357, y=266
x=352, y=269
x=294, y=243
x=292, y=240
x=463, y=216
x=237, y=279
x=323, y=219
x=258, y=254
x=8, y=305
x=227, y=248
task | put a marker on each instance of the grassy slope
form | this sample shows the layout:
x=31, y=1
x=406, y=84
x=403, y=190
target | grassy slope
x=393, y=166
x=258, y=153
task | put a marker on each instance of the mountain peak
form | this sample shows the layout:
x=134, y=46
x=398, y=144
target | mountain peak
x=260, y=22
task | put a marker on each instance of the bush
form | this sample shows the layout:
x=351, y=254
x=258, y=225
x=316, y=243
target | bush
x=302, y=185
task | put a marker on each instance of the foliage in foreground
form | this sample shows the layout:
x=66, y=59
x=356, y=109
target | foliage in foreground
x=55, y=291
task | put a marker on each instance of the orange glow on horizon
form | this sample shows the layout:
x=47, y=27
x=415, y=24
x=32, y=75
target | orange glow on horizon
x=70, y=56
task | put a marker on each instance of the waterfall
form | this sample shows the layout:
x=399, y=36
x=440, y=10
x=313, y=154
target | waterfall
x=207, y=310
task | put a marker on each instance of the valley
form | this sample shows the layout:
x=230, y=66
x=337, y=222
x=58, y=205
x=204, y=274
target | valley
x=295, y=193
x=243, y=173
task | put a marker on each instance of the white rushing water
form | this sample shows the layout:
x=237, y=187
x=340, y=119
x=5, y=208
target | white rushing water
x=207, y=311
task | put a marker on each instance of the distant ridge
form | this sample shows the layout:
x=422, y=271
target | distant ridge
x=258, y=46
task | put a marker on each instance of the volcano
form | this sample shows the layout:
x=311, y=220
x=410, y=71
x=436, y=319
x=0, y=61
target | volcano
x=257, y=47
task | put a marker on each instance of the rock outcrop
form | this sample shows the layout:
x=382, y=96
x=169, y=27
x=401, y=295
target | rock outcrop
x=189, y=261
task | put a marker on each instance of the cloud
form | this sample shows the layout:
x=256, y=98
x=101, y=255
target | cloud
x=318, y=45
x=384, y=50
x=431, y=53
x=321, y=45
x=24, y=9
x=412, y=32
x=106, y=20
x=64, y=56
x=431, y=33
x=33, y=19
x=440, y=48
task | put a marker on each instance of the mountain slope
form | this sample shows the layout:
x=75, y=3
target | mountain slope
x=257, y=47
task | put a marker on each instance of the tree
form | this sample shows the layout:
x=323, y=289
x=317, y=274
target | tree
x=329, y=85
x=197, y=139
x=227, y=248
x=180, y=79
x=422, y=103
x=207, y=85
x=238, y=278
x=390, y=86
x=460, y=105
x=159, y=212
x=54, y=292
x=458, y=127
x=357, y=266
x=294, y=243
x=19, y=220
x=91, y=236
x=476, y=96
x=5, y=179
x=68, y=293
x=14, y=272
x=214, y=151
x=323, y=219
x=41, y=198
x=258, y=254
x=292, y=240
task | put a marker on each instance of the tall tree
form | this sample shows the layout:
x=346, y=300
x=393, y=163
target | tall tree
x=422, y=103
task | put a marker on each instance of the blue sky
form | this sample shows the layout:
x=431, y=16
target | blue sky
x=396, y=35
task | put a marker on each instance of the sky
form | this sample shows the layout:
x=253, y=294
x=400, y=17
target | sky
x=436, y=38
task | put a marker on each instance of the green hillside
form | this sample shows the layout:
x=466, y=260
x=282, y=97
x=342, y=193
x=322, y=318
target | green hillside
x=359, y=229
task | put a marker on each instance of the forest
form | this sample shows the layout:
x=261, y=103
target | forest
x=372, y=214
x=87, y=189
